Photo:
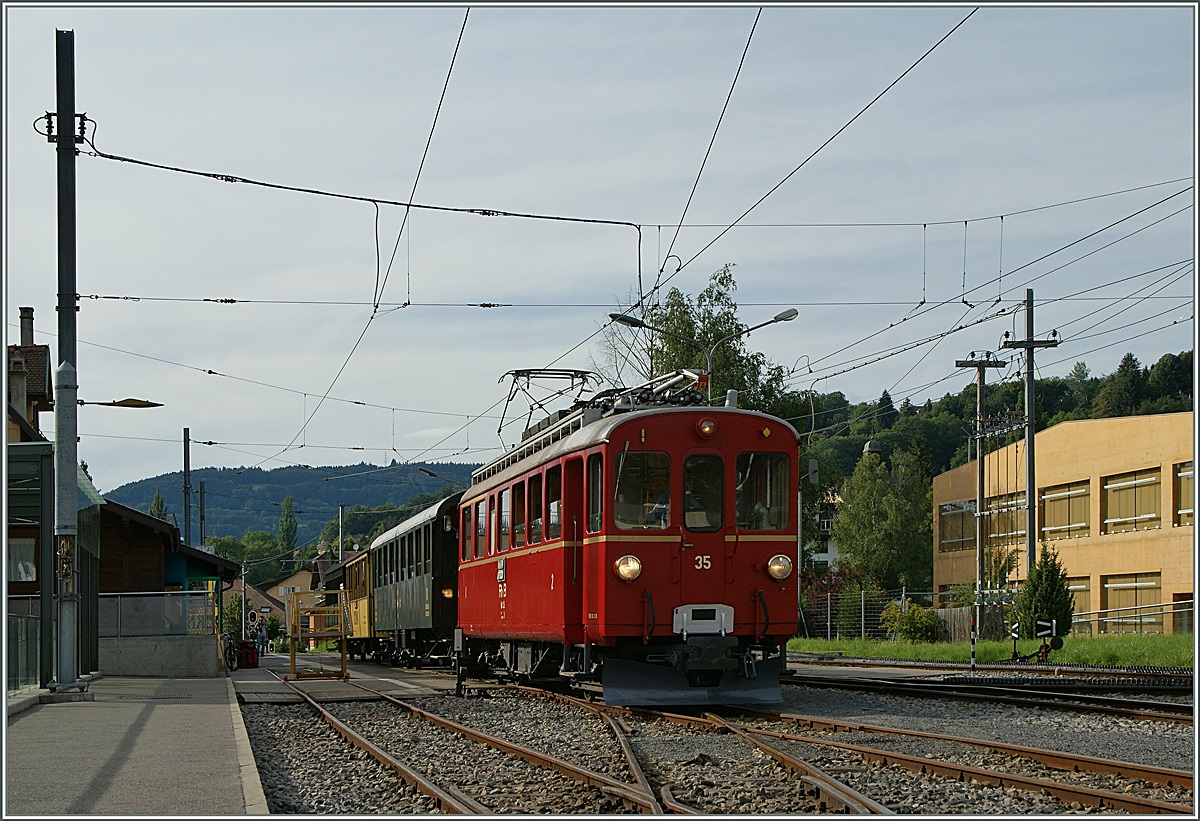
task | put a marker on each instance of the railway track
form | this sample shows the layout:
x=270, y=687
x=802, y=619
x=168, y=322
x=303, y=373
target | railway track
x=1025, y=694
x=560, y=754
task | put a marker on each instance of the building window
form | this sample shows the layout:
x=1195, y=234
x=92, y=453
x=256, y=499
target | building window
x=22, y=556
x=1004, y=517
x=1132, y=603
x=1130, y=501
x=1184, y=494
x=1080, y=588
x=957, y=528
x=1066, y=510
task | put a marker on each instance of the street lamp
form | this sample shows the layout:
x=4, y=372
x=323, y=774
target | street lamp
x=634, y=322
x=125, y=403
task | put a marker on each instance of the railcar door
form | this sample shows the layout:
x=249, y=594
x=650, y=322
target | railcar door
x=702, y=553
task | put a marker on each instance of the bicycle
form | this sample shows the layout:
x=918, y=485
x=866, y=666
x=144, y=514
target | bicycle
x=231, y=652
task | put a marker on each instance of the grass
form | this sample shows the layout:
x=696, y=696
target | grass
x=1174, y=650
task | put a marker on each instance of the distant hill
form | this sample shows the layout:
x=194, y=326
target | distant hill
x=240, y=499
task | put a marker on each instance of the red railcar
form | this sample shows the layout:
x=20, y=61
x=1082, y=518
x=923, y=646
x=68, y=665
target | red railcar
x=649, y=548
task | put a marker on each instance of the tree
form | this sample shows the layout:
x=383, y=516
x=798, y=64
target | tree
x=885, y=412
x=158, y=505
x=884, y=524
x=1121, y=392
x=287, y=527
x=1045, y=596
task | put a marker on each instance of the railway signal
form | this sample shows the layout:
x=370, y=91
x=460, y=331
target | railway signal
x=1045, y=629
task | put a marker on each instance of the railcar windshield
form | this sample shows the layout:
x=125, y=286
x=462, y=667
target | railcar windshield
x=703, y=493
x=763, y=498
x=642, y=498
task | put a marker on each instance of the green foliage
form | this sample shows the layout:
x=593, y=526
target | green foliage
x=1045, y=595
x=286, y=534
x=274, y=627
x=856, y=601
x=231, y=616
x=884, y=523
x=1174, y=650
x=911, y=622
x=158, y=505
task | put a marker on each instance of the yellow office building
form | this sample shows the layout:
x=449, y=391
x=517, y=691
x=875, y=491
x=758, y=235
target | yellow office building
x=1116, y=500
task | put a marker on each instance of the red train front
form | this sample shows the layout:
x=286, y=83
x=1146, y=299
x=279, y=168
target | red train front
x=652, y=548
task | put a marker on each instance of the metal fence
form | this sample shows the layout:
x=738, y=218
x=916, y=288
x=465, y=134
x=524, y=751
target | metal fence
x=858, y=615
x=24, y=650
x=854, y=615
x=190, y=613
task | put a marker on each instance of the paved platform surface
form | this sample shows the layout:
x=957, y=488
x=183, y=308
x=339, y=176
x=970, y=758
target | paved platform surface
x=138, y=747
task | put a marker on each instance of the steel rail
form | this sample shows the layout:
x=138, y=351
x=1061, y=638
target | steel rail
x=619, y=730
x=1102, y=799
x=457, y=804
x=1165, y=711
x=1070, y=762
x=833, y=794
x=623, y=792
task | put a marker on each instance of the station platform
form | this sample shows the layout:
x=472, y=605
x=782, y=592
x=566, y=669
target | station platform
x=141, y=746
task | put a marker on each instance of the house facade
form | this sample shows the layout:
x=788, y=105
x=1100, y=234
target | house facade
x=1115, y=501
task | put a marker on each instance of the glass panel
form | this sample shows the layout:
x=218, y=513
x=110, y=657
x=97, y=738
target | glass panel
x=763, y=491
x=703, y=493
x=535, y=509
x=642, y=499
x=595, y=493
x=505, y=518
x=1066, y=510
x=22, y=555
x=480, y=528
x=554, y=502
x=957, y=531
x=1130, y=501
x=1184, y=488
x=467, y=532
x=518, y=515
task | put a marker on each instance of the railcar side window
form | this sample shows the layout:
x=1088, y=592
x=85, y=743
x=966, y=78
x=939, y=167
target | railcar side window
x=554, y=502
x=518, y=515
x=535, y=509
x=505, y=519
x=480, y=528
x=642, y=498
x=763, y=491
x=468, y=533
x=595, y=492
x=493, y=525
x=703, y=492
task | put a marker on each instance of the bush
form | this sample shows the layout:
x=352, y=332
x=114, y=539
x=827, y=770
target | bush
x=911, y=622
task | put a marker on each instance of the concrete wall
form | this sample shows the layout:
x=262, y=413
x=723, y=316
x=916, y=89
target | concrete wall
x=167, y=656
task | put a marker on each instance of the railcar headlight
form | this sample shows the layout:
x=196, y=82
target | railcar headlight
x=706, y=427
x=627, y=568
x=447, y=592
x=779, y=567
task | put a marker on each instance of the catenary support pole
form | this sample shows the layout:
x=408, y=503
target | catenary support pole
x=1030, y=344
x=981, y=366
x=66, y=409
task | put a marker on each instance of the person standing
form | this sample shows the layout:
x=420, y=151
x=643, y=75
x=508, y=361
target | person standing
x=262, y=637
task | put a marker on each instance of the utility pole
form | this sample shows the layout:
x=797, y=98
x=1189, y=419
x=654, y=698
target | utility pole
x=341, y=509
x=980, y=366
x=66, y=409
x=1030, y=344
x=187, y=487
x=202, y=513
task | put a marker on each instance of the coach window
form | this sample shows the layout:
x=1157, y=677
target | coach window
x=703, y=493
x=518, y=515
x=554, y=502
x=595, y=492
x=762, y=491
x=642, y=498
x=480, y=528
x=467, y=532
x=427, y=564
x=493, y=526
x=535, y=509
x=505, y=519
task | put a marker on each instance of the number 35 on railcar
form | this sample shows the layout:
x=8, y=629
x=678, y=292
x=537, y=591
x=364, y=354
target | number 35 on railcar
x=652, y=550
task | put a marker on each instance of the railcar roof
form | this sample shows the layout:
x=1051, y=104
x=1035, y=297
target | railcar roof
x=595, y=431
x=413, y=522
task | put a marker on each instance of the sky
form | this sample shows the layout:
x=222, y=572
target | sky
x=901, y=175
